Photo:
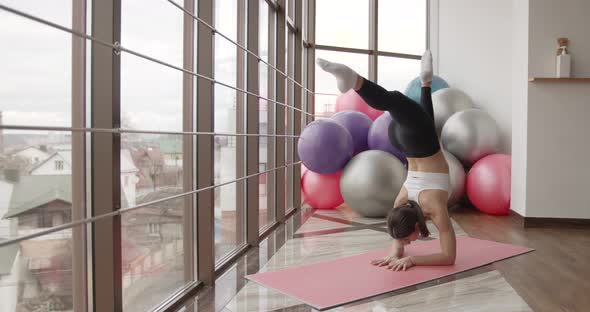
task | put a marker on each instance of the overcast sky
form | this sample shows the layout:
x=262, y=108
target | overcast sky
x=35, y=61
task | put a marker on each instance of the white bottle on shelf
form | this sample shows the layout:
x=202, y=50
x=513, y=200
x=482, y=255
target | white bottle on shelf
x=563, y=64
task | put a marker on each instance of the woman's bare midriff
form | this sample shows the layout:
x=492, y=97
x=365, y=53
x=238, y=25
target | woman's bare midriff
x=435, y=163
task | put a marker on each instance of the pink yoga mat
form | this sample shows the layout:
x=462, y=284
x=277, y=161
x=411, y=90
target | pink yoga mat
x=333, y=283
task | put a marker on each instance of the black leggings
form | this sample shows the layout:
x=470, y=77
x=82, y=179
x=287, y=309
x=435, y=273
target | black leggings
x=412, y=132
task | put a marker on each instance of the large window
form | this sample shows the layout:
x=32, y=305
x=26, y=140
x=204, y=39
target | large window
x=141, y=132
x=402, y=26
x=343, y=23
x=228, y=164
x=151, y=165
x=35, y=166
x=267, y=74
x=343, y=34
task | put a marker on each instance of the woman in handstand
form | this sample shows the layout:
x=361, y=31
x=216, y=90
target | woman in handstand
x=425, y=191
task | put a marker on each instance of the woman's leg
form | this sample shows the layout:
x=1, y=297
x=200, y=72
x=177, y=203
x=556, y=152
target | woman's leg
x=426, y=80
x=426, y=101
x=400, y=106
x=346, y=78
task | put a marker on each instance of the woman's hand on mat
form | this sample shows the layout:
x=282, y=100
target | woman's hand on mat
x=401, y=264
x=385, y=261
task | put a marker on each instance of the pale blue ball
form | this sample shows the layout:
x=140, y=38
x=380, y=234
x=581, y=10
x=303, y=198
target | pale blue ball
x=414, y=88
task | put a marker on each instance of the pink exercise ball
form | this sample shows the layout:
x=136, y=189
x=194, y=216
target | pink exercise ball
x=322, y=191
x=303, y=170
x=488, y=184
x=352, y=101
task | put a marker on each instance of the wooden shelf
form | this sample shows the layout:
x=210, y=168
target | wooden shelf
x=550, y=79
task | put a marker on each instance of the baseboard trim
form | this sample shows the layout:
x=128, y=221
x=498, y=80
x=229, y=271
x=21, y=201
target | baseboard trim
x=516, y=217
x=556, y=222
x=534, y=222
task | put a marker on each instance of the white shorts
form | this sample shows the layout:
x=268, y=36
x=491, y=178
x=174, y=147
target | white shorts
x=418, y=181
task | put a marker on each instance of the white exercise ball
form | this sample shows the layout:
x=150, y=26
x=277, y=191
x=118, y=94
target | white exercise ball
x=447, y=102
x=471, y=135
x=457, y=179
x=371, y=181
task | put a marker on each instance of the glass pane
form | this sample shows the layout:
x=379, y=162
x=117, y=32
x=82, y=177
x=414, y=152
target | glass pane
x=343, y=23
x=151, y=167
x=36, y=87
x=395, y=73
x=152, y=251
x=402, y=26
x=56, y=11
x=151, y=94
x=326, y=83
x=264, y=27
x=325, y=106
x=291, y=6
x=229, y=221
x=35, y=194
x=226, y=18
x=228, y=161
x=266, y=216
x=154, y=28
x=289, y=122
x=305, y=20
x=36, y=274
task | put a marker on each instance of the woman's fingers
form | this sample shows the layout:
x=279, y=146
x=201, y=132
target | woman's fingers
x=377, y=261
x=384, y=263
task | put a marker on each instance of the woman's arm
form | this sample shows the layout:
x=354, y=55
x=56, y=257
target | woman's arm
x=448, y=243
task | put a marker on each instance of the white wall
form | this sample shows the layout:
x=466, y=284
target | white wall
x=475, y=52
x=558, y=174
x=519, y=78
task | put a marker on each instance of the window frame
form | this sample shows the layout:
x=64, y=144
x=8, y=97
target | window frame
x=373, y=52
x=97, y=278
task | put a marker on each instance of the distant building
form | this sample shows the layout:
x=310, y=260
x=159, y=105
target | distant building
x=129, y=177
x=39, y=202
x=150, y=162
x=172, y=152
x=41, y=272
x=32, y=154
x=45, y=273
x=5, y=194
x=58, y=163
x=1, y=136
x=60, y=147
x=8, y=277
x=158, y=223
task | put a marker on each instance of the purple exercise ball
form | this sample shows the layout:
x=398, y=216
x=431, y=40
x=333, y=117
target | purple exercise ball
x=325, y=146
x=358, y=125
x=378, y=138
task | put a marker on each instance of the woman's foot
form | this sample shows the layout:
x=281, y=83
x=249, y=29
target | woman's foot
x=346, y=78
x=426, y=69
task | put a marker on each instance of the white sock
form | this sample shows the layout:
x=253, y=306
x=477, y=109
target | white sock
x=345, y=77
x=426, y=68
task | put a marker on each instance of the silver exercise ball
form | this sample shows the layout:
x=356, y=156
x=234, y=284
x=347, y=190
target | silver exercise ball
x=371, y=181
x=457, y=179
x=447, y=102
x=470, y=135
